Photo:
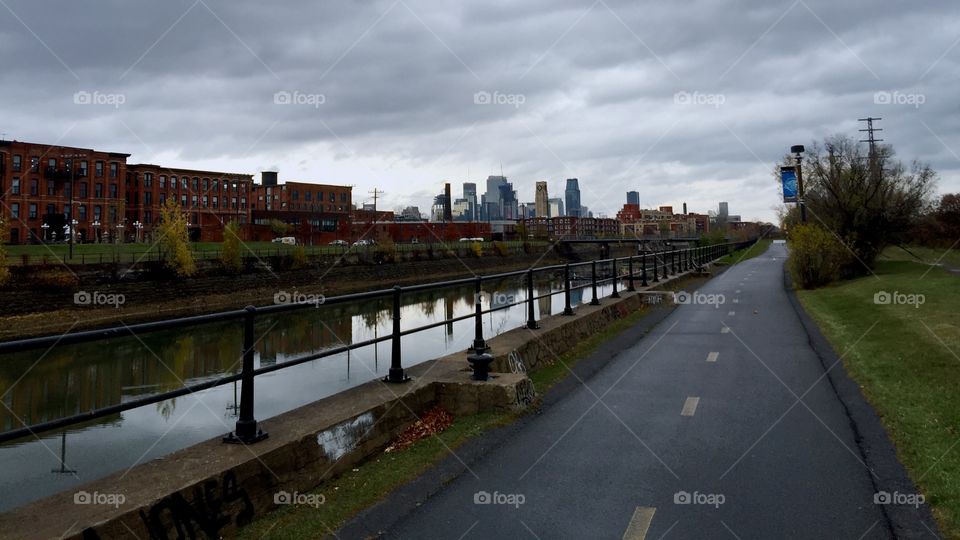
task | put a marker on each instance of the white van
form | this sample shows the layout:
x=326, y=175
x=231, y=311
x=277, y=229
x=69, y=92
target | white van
x=286, y=240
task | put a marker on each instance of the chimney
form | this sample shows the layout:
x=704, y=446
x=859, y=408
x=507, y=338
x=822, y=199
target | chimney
x=447, y=203
x=684, y=208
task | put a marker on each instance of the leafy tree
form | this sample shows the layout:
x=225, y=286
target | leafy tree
x=868, y=201
x=231, y=257
x=816, y=256
x=175, y=239
x=948, y=215
x=279, y=228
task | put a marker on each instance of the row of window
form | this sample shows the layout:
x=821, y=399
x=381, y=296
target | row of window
x=308, y=196
x=185, y=182
x=17, y=166
x=33, y=188
x=15, y=211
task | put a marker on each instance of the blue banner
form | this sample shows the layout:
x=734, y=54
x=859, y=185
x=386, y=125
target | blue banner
x=788, y=178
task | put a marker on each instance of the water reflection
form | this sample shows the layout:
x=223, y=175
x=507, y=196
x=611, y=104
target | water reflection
x=40, y=386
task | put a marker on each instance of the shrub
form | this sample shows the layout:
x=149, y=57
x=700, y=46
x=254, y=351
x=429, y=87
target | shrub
x=55, y=279
x=298, y=258
x=477, y=249
x=500, y=248
x=816, y=256
x=231, y=258
x=175, y=239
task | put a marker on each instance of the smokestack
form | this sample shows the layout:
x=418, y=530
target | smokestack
x=684, y=208
x=447, y=210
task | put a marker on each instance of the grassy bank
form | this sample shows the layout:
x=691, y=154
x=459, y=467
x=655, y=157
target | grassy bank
x=750, y=252
x=374, y=480
x=905, y=358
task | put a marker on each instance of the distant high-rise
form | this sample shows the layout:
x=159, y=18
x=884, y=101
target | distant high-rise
x=556, y=207
x=572, y=196
x=490, y=207
x=724, y=209
x=542, y=204
x=447, y=203
x=633, y=197
x=470, y=195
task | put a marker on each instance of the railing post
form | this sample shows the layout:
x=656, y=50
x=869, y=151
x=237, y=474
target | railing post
x=656, y=271
x=615, y=293
x=630, y=285
x=567, y=310
x=479, y=345
x=665, y=266
x=593, y=283
x=673, y=261
x=643, y=269
x=531, y=317
x=246, y=431
x=396, y=374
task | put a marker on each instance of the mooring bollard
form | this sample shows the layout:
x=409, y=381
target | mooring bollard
x=567, y=310
x=531, y=316
x=479, y=345
x=246, y=431
x=396, y=374
x=480, y=362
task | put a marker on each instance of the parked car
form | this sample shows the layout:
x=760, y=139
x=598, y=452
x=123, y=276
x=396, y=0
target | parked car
x=339, y=243
x=286, y=240
x=364, y=242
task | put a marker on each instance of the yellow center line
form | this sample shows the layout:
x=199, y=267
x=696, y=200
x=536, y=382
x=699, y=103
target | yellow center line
x=639, y=523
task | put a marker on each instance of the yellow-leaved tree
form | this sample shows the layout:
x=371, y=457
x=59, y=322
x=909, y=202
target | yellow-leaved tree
x=175, y=239
x=231, y=258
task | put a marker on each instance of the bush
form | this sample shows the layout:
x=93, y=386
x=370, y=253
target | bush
x=231, y=257
x=500, y=248
x=298, y=258
x=477, y=249
x=55, y=279
x=816, y=256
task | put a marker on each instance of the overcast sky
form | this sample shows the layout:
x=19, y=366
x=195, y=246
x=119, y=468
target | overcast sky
x=689, y=101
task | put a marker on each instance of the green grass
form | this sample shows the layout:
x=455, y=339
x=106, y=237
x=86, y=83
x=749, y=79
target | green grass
x=750, y=252
x=948, y=257
x=907, y=366
x=375, y=479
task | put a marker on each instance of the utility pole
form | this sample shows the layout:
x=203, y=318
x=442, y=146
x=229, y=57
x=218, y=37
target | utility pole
x=376, y=194
x=872, y=140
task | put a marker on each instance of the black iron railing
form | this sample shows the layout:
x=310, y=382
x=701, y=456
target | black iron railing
x=661, y=263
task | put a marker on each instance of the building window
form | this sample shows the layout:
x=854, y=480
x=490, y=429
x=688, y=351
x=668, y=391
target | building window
x=233, y=202
x=98, y=169
x=147, y=198
x=206, y=202
x=34, y=187
x=184, y=182
x=195, y=183
x=34, y=164
x=113, y=191
x=343, y=197
x=51, y=209
x=66, y=211
x=183, y=201
x=243, y=202
x=15, y=210
x=97, y=212
x=51, y=188
x=163, y=182
x=32, y=211
x=83, y=168
x=333, y=197
x=147, y=217
x=17, y=162
x=98, y=190
x=15, y=188
x=114, y=169
x=148, y=180
x=206, y=184
x=82, y=212
x=113, y=214
x=163, y=199
x=193, y=201
x=83, y=190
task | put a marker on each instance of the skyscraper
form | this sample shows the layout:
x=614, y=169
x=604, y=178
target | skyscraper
x=724, y=210
x=633, y=197
x=542, y=204
x=556, y=207
x=470, y=195
x=572, y=196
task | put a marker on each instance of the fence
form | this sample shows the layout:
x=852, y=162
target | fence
x=661, y=264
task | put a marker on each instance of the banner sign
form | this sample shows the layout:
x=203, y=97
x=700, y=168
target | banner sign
x=788, y=178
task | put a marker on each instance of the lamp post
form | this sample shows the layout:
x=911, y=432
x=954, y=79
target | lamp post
x=119, y=228
x=45, y=227
x=798, y=149
x=137, y=225
x=96, y=228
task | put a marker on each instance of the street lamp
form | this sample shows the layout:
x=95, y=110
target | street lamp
x=96, y=227
x=45, y=227
x=137, y=225
x=119, y=228
x=798, y=149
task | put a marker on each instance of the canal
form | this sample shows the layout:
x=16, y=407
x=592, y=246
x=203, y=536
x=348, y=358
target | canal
x=45, y=385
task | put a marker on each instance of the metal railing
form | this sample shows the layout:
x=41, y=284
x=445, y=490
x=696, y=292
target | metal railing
x=662, y=264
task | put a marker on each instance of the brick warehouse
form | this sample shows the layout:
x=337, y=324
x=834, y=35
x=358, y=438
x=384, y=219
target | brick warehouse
x=211, y=199
x=43, y=187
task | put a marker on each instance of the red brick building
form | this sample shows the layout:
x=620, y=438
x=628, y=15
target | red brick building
x=425, y=232
x=572, y=227
x=44, y=187
x=314, y=214
x=210, y=199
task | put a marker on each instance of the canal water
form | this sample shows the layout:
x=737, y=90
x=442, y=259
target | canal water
x=42, y=385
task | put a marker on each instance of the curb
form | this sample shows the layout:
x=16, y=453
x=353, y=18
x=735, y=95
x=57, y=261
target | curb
x=873, y=443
